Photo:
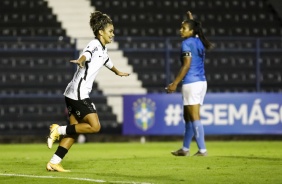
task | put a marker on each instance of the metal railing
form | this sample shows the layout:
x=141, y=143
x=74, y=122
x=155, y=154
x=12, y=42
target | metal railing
x=255, y=46
x=165, y=45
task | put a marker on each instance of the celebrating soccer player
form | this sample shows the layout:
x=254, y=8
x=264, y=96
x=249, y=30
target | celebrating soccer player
x=83, y=117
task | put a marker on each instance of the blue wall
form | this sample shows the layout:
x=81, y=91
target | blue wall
x=222, y=114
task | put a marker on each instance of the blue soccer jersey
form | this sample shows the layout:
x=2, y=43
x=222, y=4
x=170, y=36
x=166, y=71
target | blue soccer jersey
x=193, y=47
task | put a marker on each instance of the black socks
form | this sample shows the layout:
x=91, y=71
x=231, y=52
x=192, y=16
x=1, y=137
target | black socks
x=61, y=152
x=70, y=130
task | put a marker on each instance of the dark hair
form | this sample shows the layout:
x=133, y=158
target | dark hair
x=197, y=30
x=99, y=21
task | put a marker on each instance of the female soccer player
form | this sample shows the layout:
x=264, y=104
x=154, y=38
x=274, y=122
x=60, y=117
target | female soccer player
x=194, y=84
x=83, y=117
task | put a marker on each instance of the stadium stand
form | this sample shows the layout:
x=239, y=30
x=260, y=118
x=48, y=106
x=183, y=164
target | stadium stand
x=234, y=32
x=34, y=72
x=35, y=49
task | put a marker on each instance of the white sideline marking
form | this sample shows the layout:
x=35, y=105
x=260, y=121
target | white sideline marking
x=80, y=179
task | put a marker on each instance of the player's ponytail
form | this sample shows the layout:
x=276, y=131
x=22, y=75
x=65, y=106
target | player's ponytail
x=198, y=31
x=98, y=21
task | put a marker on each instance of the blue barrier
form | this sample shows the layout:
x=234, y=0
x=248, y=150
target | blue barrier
x=222, y=114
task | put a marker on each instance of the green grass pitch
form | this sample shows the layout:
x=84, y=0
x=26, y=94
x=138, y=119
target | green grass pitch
x=135, y=163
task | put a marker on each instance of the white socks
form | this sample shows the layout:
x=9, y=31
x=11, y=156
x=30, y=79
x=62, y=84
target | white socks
x=203, y=150
x=55, y=159
x=62, y=130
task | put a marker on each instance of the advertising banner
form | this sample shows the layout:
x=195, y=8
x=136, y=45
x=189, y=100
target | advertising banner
x=222, y=113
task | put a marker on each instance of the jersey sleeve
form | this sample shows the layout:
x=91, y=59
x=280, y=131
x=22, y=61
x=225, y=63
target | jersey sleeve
x=186, y=49
x=108, y=63
x=89, y=50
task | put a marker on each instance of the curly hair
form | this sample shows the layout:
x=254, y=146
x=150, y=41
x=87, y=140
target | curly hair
x=99, y=21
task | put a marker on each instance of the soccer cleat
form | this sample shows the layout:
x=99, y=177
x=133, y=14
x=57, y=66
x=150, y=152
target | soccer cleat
x=55, y=167
x=201, y=154
x=53, y=136
x=180, y=152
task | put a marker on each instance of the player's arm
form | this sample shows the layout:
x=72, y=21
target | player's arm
x=119, y=73
x=189, y=15
x=110, y=66
x=86, y=55
x=182, y=72
x=80, y=61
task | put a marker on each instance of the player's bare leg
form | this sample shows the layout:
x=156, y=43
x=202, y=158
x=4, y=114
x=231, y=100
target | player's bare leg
x=89, y=124
x=65, y=144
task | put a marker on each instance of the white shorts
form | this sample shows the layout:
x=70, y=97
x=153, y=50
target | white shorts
x=194, y=93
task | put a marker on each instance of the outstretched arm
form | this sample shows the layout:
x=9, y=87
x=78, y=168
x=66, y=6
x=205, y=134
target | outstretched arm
x=119, y=73
x=80, y=61
x=189, y=15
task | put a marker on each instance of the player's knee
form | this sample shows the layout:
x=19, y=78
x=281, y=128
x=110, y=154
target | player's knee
x=96, y=128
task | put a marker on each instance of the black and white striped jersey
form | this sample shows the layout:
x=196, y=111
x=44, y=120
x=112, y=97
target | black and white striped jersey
x=81, y=85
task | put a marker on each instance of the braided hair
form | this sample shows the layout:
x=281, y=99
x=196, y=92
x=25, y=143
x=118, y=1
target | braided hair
x=99, y=21
x=197, y=30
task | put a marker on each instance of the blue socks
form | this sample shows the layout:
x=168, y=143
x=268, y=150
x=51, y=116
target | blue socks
x=188, y=135
x=199, y=134
x=194, y=128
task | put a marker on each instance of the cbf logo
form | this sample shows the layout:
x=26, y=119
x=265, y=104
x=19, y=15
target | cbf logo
x=144, y=113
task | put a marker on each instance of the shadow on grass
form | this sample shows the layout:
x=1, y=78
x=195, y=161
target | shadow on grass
x=251, y=158
x=150, y=178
